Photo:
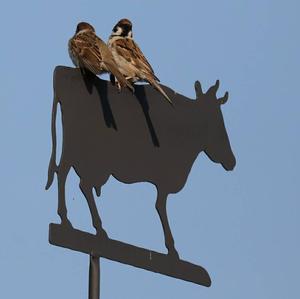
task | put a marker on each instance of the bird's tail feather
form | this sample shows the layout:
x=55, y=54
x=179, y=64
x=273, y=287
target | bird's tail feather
x=121, y=79
x=157, y=87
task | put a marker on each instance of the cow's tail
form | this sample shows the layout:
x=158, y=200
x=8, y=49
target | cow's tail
x=52, y=169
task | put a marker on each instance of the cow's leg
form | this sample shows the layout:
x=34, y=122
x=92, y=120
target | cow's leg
x=62, y=174
x=161, y=207
x=87, y=190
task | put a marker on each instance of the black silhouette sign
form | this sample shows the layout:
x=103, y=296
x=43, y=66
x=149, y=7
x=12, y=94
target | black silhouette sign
x=135, y=138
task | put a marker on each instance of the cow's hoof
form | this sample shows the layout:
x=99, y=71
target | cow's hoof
x=101, y=234
x=66, y=223
x=173, y=254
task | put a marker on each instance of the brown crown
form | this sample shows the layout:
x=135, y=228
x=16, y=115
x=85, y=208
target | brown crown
x=124, y=22
x=84, y=26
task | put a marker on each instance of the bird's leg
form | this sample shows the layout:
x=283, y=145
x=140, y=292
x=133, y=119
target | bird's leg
x=114, y=81
x=118, y=85
x=131, y=80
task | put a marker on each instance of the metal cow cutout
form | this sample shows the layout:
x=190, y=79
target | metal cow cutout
x=134, y=137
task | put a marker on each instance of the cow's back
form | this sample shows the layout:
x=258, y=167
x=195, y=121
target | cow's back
x=136, y=137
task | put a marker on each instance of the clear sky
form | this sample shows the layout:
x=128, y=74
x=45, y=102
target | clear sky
x=245, y=223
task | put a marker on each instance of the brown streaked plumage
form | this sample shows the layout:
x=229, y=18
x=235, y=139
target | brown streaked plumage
x=130, y=59
x=88, y=51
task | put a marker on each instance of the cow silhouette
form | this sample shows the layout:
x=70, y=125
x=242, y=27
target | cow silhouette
x=134, y=137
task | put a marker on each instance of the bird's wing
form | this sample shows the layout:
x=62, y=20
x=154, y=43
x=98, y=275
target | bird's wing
x=128, y=49
x=88, y=52
x=110, y=65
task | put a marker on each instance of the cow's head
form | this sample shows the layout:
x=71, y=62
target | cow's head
x=216, y=143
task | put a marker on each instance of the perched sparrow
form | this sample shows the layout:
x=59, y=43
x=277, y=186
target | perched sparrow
x=129, y=58
x=88, y=51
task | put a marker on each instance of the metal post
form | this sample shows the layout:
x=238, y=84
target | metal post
x=94, y=278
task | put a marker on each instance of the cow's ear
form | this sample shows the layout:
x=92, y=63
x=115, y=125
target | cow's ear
x=224, y=99
x=198, y=90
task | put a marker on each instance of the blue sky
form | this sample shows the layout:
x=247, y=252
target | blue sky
x=246, y=222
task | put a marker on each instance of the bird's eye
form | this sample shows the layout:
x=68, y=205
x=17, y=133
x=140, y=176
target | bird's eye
x=115, y=29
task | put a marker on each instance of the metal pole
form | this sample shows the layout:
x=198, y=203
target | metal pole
x=94, y=278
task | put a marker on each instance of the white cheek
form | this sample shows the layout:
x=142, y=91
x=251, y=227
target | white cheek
x=130, y=34
x=118, y=32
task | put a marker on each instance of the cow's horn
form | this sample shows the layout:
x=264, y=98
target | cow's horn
x=198, y=89
x=216, y=87
x=213, y=89
x=224, y=99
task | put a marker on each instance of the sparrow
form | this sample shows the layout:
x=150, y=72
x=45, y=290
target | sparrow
x=130, y=59
x=88, y=51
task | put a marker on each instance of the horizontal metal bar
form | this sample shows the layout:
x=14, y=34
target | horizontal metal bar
x=68, y=237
